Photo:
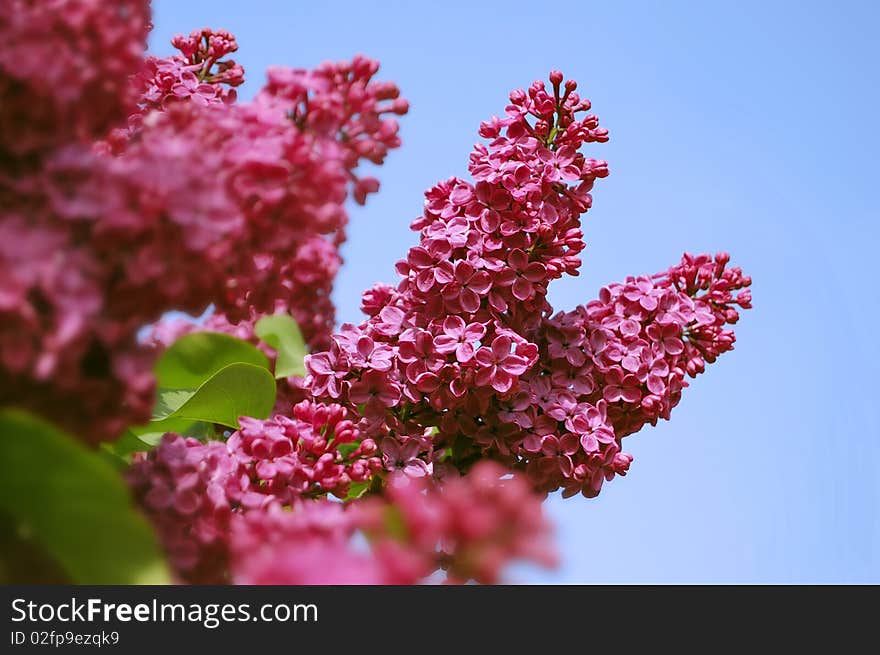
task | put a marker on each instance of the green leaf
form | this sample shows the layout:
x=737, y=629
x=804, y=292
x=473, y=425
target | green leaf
x=140, y=438
x=109, y=454
x=357, y=489
x=394, y=524
x=75, y=504
x=346, y=449
x=233, y=391
x=283, y=334
x=204, y=378
x=197, y=357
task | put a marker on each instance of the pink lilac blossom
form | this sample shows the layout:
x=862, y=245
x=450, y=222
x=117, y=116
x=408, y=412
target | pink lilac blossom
x=478, y=358
x=469, y=528
x=341, y=101
x=464, y=362
x=317, y=451
x=65, y=70
x=223, y=515
x=191, y=489
x=196, y=201
x=284, y=165
x=311, y=544
x=638, y=343
x=199, y=73
x=473, y=291
x=188, y=489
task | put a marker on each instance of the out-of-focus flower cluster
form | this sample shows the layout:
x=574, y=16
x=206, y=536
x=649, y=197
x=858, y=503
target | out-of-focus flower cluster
x=65, y=70
x=467, y=528
x=421, y=440
x=252, y=510
x=191, y=489
x=464, y=359
x=105, y=224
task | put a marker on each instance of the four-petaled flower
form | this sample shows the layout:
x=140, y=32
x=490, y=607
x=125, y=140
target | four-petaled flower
x=460, y=338
x=521, y=275
x=499, y=367
x=464, y=285
x=368, y=354
x=404, y=456
x=374, y=389
x=417, y=351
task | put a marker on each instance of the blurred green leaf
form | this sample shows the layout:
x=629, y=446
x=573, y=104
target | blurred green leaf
x=75, y=505
x=140, y=438
x=394, y=523
x=194, y=358
x=283, y=334
x=357, y=489
x=346, y=449
x=204, y=378
x=233, y=391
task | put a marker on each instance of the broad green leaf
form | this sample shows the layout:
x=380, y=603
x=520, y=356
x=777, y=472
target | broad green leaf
x=152, y=433
x=346, y=449
x=394, y=523
x=204, y=378
x=146, y=437
x=75, y=504
x=119, y=461
x=283, y=334
x=233, y=391
x=357, y=489
x=169, y=401
x=194, y=358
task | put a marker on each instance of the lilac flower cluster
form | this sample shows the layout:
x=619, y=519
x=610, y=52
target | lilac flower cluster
x=132, y=185
x=464, y=359
x=65, y=70
x=191, y=489
x=466, y=528
x=471, y=527
x=196, y=200
x=477, y=281
x=464, y=362
x=252, y=510
x=198, y=74
x=617, y=364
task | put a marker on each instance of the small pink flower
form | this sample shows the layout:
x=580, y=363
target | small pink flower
x=460, y=338
x=559, y=450
x=567, y=342
x=522, y=275
x=621, y=386
x=368, y=354
x=520, y=181
x=560, y=165
x=326, y=372
x=405, y=457
x=466, y=286
x=659, y=372
x=499, y=367
x=517, y=408
x=666, y=338
x=417, y=351
x=375, y=388
x=390, y=321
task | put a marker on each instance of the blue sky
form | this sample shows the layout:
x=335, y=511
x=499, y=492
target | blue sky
x=748, y=127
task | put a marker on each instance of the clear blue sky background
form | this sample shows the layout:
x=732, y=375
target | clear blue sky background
x=747, y=126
